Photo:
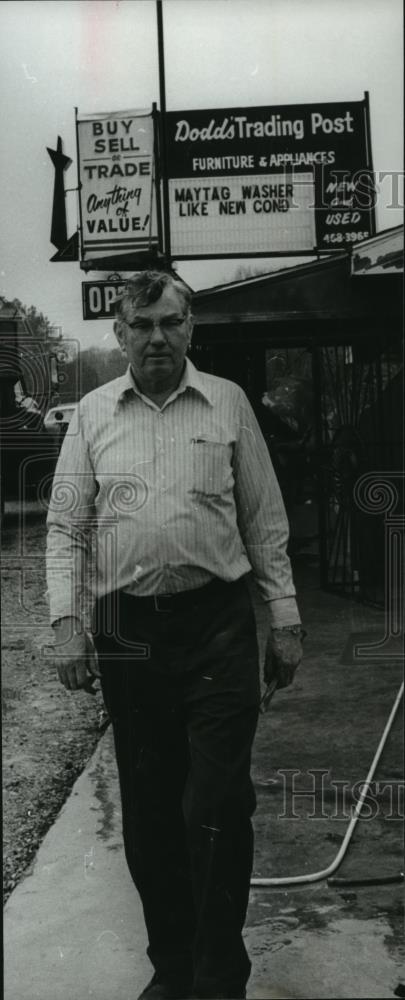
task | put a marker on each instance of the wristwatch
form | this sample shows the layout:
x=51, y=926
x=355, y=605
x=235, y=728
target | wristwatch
x=294, y=629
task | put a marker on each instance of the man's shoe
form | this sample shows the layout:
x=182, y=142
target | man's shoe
x=161, y=989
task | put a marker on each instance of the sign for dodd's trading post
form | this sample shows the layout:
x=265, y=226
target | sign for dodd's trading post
x=282, y=179
x=117, y=208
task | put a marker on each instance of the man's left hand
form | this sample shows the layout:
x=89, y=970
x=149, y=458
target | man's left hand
x=282, y=657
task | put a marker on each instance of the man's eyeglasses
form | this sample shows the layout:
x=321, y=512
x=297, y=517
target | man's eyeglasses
x=168, y=324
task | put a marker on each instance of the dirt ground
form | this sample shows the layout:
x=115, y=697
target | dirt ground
x=48, y=733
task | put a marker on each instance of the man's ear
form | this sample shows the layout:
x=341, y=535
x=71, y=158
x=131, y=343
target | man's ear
x=120, y=335
x=190, y=328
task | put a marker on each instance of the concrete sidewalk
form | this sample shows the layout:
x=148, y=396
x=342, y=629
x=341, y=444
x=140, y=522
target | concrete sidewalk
x=74, y=927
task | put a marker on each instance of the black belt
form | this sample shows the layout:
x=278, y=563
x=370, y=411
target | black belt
x=213, y=591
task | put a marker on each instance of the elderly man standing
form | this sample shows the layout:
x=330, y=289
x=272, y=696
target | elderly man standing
x=164, y=501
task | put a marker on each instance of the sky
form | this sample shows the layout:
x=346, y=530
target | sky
x=101, y=55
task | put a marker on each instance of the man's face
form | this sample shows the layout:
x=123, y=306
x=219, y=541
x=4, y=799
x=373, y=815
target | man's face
x=155, y=339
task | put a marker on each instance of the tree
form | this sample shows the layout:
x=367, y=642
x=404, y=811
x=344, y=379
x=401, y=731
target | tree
x=243, y=272
x=39, y=325
x=91, y=368
x=36, y=346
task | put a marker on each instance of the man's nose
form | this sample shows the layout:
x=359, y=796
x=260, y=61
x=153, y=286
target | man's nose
x=157, y=336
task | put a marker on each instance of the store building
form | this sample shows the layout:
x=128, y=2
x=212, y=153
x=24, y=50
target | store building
x=318, y=349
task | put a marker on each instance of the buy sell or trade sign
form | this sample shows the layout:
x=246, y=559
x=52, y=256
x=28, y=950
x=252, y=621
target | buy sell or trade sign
x=116, y=181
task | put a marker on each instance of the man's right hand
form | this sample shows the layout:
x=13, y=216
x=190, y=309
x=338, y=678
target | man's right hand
x=74, y=656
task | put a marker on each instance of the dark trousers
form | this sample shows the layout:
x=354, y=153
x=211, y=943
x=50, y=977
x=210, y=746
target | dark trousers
x=181, y=684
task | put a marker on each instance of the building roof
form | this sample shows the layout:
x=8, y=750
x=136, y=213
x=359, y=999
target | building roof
x=383, y=254
x=320, y=289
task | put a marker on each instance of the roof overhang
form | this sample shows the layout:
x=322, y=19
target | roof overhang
x=319, y=290
x=384, y=254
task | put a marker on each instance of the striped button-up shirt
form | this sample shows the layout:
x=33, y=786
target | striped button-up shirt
x=155, y=501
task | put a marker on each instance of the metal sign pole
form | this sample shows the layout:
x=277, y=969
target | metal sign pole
x=157, y=176
x=79, y=185
x=164, y=171
x=369, y=152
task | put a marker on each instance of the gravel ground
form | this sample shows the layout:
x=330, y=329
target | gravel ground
x=48, y=733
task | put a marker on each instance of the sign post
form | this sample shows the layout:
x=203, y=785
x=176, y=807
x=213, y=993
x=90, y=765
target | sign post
x=285, y=180
x=163, y=132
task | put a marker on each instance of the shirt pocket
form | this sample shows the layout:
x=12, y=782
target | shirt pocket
x=211, y=468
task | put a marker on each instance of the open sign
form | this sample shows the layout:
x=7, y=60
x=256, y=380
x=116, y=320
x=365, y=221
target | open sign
x=99, y=298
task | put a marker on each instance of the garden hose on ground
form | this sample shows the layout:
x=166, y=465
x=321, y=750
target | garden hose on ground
x=326, y=872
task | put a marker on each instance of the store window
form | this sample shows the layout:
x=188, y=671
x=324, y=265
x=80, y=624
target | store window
x=287, y=419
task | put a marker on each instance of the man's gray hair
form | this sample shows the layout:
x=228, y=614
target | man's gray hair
x=145, y=288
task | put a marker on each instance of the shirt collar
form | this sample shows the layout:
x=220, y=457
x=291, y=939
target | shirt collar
x=191, y=379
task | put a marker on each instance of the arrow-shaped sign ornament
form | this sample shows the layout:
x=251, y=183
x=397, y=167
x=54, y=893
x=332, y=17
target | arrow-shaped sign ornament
x=58, y=226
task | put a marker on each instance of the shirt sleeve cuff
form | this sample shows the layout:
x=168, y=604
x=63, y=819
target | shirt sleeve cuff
x=283, y=611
